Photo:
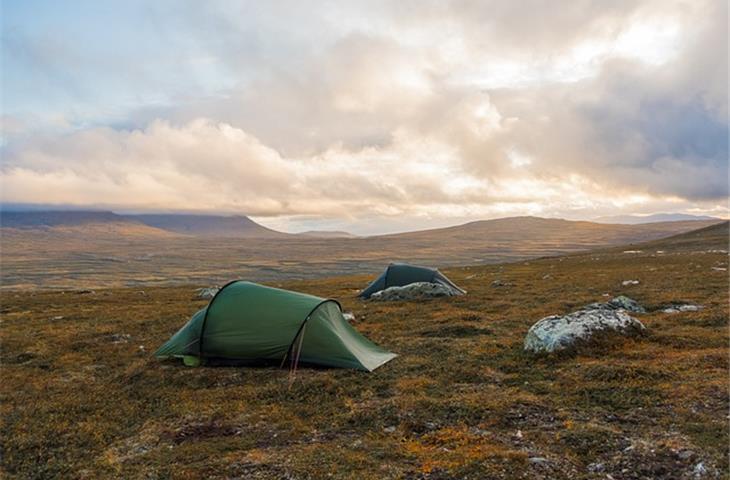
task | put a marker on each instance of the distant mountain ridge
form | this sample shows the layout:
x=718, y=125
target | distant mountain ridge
x=235, y=226
x=89, y=223
x=54, y=218
x=509, y=234
x=657, y=217
x=102, y=249
x=326, y=234
x=208, y=225
x=537, y=235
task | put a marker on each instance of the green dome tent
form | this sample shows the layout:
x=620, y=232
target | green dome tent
x=401, y=274
x=252, y=324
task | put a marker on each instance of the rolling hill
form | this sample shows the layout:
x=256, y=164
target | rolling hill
x=535, y=236
x=715, y=237
x=79, y=256
x=657, y=217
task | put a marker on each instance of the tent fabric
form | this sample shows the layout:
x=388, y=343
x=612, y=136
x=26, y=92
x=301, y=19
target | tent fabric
x=401, y=274
x=250, y=323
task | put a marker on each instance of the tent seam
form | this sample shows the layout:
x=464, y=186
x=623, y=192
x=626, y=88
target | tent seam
x=207, y=311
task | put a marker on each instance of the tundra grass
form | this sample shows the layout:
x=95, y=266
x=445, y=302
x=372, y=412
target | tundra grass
x=82, y=396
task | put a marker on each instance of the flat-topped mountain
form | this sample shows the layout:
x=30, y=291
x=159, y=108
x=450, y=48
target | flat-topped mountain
x=55, y=218
x=90, y=224
x=209, y=225
x=96, y=222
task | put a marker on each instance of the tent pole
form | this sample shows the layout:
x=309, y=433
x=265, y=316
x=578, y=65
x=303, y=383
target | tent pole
x=295, y=359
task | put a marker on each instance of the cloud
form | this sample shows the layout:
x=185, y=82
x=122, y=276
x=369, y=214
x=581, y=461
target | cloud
x=208, y=165
x=446, y=110
x=204, y=165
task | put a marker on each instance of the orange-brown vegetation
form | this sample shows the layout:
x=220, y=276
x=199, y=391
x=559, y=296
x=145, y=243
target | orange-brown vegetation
x=83, y=398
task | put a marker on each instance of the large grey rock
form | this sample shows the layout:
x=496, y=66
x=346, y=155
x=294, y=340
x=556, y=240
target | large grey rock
x=555, y=333
x=414, y=291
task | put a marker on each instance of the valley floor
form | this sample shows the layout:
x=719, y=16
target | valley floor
x=83, y=397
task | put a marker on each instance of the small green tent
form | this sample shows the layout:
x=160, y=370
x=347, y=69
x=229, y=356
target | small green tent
x=253, y=324
x=401, y=274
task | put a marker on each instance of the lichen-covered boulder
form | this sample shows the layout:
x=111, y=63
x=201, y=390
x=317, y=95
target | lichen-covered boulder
x=556, y=333
x=414, y=291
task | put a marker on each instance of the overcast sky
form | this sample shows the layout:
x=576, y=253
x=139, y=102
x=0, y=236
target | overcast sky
x=368, y=116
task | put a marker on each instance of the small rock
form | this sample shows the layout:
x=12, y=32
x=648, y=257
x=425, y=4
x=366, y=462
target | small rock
x=500, y=283
x=689, y=308
x=518, y=434
x=719, y=269
x=547, y=277
x=120, y=337
x=57, y=317
x=626, y=283
x=207, y=292
x=390, y=429
x=685, y=454
x=538, y=460
x=700, y=470
x=596, y=467
x=626, y=303
x=349, y=316
x=621, y=302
